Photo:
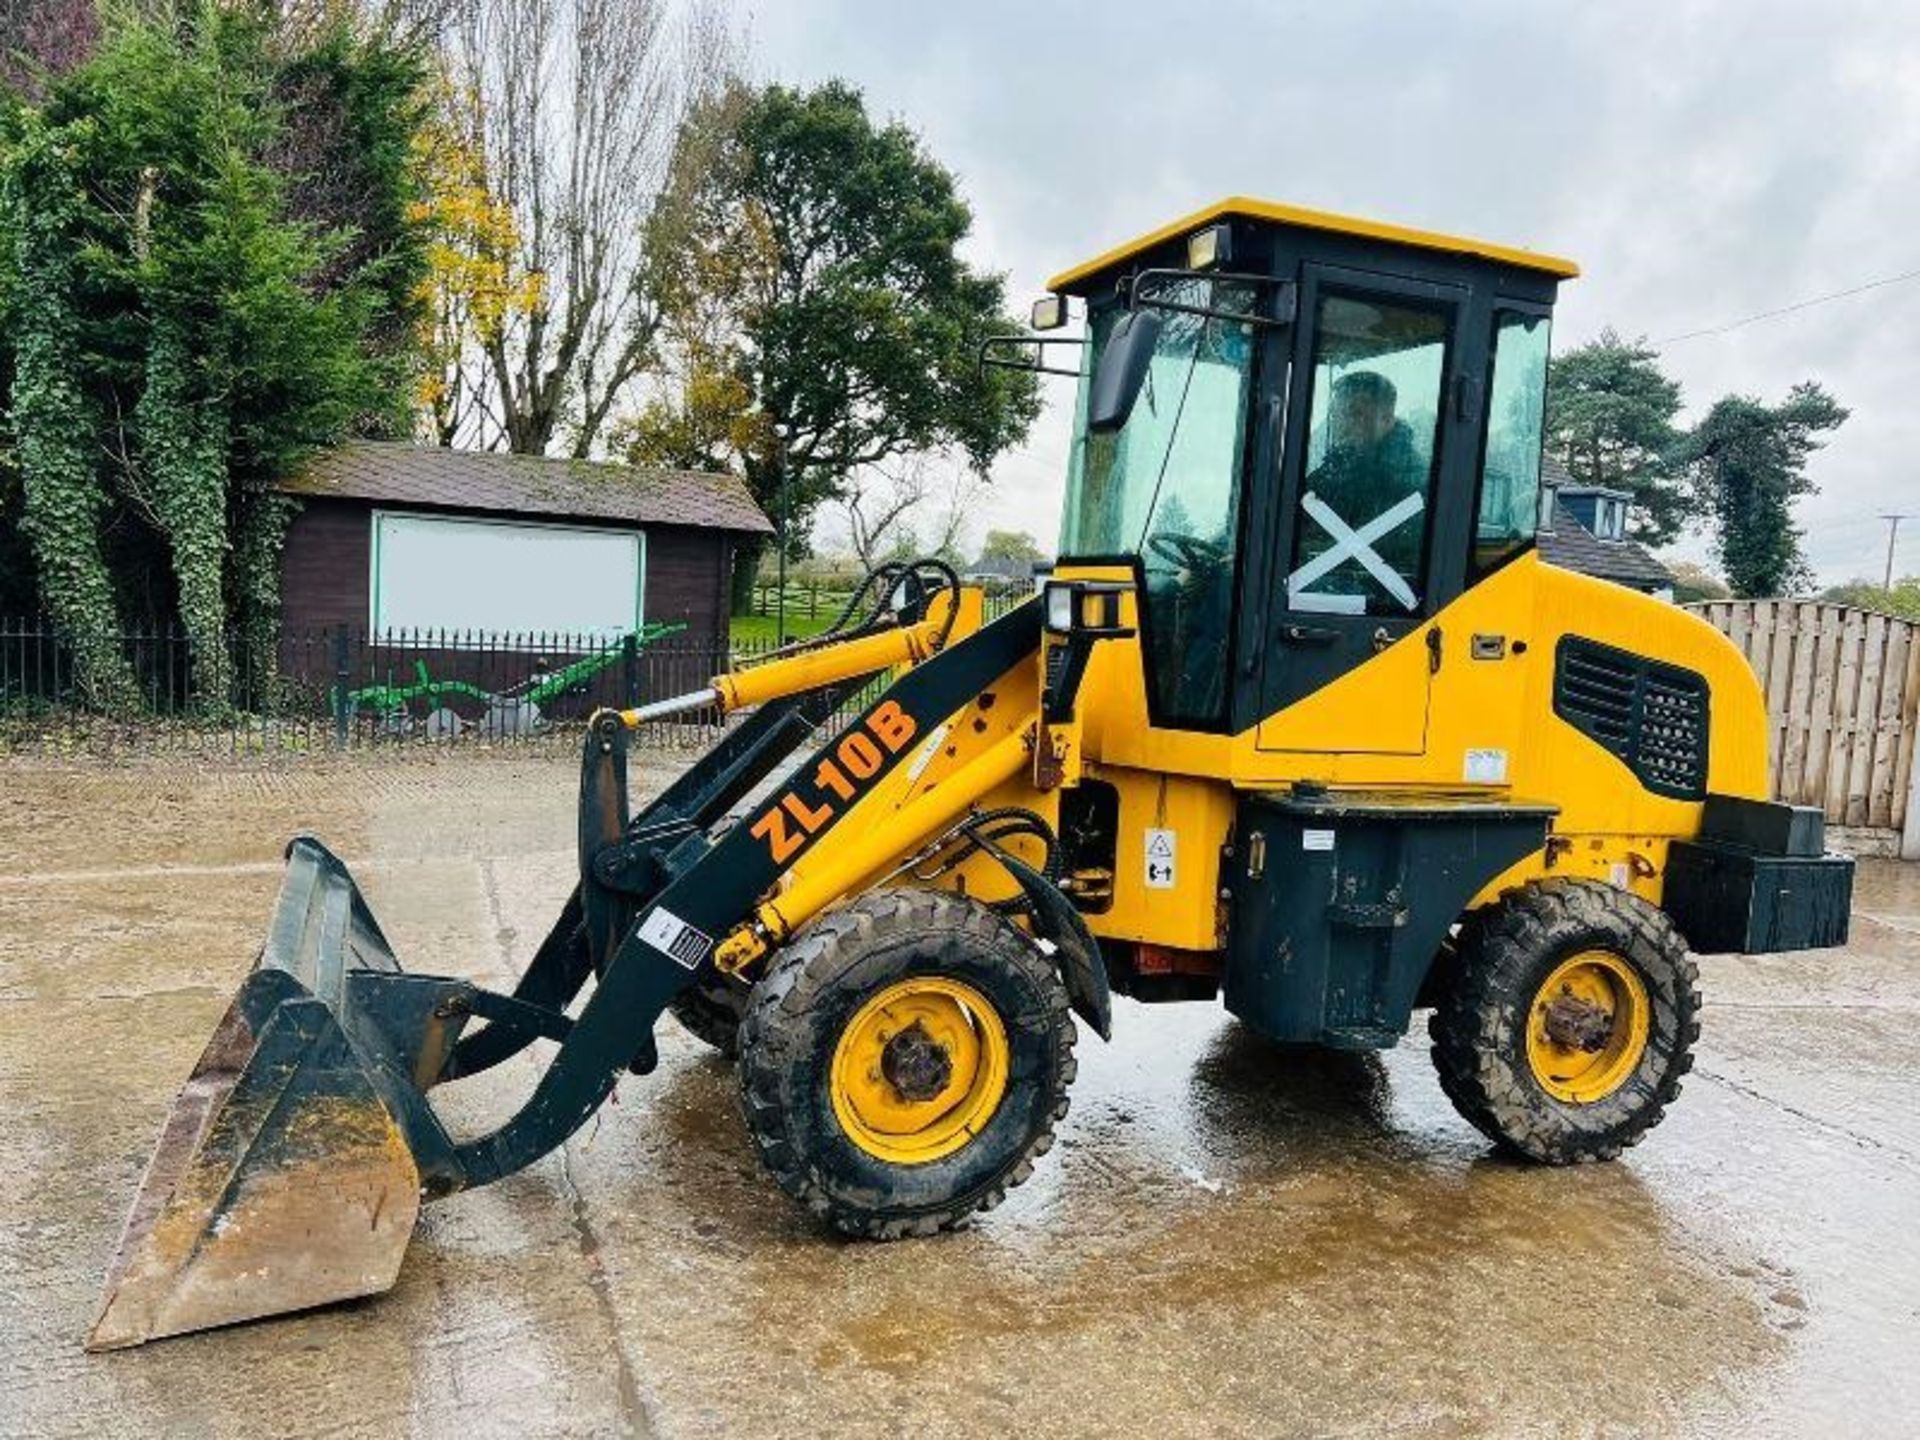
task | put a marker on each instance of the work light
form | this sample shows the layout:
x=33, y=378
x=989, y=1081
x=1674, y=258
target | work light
x=1059, y=604
x=1208, y=248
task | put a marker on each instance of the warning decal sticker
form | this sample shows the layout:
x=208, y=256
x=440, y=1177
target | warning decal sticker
x=674, y=937
x=1160, y=859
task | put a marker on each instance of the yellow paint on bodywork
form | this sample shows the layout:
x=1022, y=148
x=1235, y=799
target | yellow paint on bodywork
x=1609, y=828
x=972, y=758
x=845, y=660
x=1199, y=816
x=1308, y=219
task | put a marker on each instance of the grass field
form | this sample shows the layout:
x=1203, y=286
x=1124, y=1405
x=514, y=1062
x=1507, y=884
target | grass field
x=761, y=629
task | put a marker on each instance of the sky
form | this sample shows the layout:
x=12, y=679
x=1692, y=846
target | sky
x=1703, y=160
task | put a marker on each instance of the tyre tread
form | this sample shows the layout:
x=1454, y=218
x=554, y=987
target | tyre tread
x=776, y=1027
x=1498, y=951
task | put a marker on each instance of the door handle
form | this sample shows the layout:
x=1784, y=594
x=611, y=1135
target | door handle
x=1307, y=635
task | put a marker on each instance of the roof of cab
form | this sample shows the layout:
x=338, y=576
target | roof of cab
x=1243, y=205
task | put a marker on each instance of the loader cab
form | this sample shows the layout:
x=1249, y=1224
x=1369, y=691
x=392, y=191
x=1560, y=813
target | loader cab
x=1307, y=434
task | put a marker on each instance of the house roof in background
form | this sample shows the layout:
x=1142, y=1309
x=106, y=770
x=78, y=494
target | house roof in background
x=1572, y=546
x=398, y=473
x=1554, y=473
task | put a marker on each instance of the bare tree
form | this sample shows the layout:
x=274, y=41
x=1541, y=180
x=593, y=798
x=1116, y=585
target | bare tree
x=573, y=106
x=406, y=22
x=911, y=506
x=877, y=501
x=949, y=524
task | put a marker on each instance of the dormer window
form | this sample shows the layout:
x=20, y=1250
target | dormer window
x=1612, y=520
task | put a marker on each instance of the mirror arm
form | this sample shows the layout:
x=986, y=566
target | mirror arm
x=989, y=361
x=1285, y=307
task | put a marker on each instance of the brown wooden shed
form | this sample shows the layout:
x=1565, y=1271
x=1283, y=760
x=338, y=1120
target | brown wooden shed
x=394, y=538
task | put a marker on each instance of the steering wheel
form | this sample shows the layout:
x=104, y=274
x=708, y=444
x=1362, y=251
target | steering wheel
x=1189, y=552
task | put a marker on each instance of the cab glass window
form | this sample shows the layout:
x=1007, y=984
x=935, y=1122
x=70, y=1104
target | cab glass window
x=1510, y=506
x=1166, y=487
x=1379, y=365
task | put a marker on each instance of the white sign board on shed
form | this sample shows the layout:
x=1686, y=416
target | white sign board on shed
x=442, y=573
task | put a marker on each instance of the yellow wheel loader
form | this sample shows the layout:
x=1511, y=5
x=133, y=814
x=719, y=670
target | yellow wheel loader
x=1300, y=720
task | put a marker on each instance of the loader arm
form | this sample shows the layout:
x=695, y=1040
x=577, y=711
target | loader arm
x=717, y=885
x=792, y=693
x=328, y=1058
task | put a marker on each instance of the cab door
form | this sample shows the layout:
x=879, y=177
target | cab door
x=1375, y=482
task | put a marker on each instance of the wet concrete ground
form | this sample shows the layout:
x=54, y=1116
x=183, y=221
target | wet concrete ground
x=1229, y=1239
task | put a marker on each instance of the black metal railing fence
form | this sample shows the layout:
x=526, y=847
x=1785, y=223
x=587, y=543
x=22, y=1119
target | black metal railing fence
x=338, y=690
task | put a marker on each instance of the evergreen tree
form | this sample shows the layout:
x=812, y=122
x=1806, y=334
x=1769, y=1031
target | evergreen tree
x=234, y=284
x=1748, y=461
x=1610, y=421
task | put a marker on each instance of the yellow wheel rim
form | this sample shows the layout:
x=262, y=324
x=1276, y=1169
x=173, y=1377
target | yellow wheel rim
x=1587, y=1028
x=919, y=1070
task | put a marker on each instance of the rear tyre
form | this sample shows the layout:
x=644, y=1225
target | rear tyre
x=903, y=1062
x=1567, y=1021
x=711, y=1010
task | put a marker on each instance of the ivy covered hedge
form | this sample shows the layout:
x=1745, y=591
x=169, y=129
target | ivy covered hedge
x=207, y=271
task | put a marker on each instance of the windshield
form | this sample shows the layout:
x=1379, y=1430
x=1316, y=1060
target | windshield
x=1175, y=466
x=1166, y=487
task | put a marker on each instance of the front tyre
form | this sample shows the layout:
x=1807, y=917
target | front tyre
x=903, y=1062
x=711, y=1009
x=1567, y=1021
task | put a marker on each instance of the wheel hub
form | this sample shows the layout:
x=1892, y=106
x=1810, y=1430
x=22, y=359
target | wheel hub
x=919, y=1069
x=1576, y=1024
x=1588, y=1027
x=916, y=1065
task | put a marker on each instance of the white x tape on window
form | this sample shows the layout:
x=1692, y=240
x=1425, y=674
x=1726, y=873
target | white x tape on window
x=1356, y=545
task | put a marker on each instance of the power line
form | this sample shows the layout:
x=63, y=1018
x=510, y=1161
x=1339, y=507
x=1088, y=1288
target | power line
x=1798, y=305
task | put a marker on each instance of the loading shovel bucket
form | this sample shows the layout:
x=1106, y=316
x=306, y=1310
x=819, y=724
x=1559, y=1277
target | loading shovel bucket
x=289, y=1172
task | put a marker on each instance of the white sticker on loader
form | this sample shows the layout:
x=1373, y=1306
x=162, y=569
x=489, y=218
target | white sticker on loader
x=1486, y=767
x=1316, y=839
x=927, y=752
x=675, y=938
x=1160, y=859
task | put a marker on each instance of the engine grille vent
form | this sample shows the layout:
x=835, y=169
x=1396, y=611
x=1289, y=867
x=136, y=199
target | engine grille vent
x=1652, y=715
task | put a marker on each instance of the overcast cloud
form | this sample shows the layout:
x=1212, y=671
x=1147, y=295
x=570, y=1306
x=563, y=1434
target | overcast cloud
x=1703, y=161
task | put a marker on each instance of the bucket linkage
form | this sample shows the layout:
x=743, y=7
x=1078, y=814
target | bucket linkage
x=292, y=1168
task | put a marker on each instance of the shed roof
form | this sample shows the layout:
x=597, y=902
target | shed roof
x=398, y=473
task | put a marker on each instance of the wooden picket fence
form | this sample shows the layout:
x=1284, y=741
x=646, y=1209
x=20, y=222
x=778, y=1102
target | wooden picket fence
x=1843, y=702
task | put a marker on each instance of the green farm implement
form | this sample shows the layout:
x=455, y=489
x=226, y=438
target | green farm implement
x=517, y=710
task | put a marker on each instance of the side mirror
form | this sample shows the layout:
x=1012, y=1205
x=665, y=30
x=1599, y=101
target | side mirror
x=1123, y=370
